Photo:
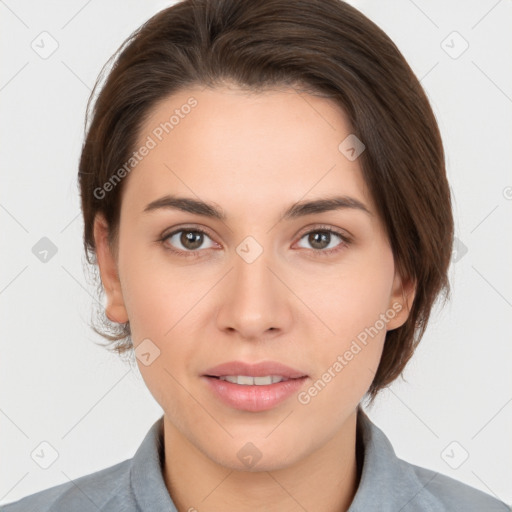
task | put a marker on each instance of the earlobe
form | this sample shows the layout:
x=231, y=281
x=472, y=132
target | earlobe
x=115, y=308
x=402, y=298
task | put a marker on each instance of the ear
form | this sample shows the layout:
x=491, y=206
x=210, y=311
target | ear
x=115, y=308
x=401, y=300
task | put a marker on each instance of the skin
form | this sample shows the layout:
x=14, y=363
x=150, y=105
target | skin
x=292, y=304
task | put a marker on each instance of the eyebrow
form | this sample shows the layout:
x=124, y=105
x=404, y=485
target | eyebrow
x=296, y=210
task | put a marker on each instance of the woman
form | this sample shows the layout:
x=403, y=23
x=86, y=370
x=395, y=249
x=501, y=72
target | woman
x=264, y=192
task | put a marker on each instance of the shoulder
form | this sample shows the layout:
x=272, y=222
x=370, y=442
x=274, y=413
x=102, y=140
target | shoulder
x=455, y=495
x=407, y=487
x=107, y=489
x=129, y=486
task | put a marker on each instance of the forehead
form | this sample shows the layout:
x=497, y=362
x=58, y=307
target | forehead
x=225, y=143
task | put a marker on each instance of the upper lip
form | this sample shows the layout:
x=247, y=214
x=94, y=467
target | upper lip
x=254, y=370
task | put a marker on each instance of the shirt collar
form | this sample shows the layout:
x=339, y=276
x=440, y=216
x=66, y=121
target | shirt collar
x=146, y=476
x=387, y=483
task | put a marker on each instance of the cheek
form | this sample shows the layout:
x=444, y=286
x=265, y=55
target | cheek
x=355, y=306
x=163, y=306
x=353, y=298
x=156, y=294
x=346, y=361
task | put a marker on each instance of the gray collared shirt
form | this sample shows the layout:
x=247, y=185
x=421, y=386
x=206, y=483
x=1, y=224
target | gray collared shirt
x=388, y=484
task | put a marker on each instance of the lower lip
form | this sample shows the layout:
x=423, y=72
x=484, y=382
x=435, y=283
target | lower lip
x=254, y=398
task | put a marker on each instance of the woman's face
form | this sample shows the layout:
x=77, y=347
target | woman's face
x=258, y=285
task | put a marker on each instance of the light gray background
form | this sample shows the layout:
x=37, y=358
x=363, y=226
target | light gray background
x=57, y=386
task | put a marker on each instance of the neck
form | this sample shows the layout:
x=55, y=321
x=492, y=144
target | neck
x=325, y=479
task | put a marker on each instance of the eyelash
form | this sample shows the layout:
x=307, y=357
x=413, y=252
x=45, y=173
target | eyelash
x=346, y=241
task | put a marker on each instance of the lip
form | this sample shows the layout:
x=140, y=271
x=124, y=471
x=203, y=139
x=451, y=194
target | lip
x=253, y=398
x=254, y=370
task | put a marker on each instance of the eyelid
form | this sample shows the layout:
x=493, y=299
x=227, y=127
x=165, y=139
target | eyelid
x=325, y=227
x=186, y=227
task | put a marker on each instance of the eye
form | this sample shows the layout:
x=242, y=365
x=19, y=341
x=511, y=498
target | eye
x=187, y=240
x=323, y=240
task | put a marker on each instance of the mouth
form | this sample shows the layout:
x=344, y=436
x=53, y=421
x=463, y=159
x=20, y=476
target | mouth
x=248, y=380
x=253, y=397
x=253, y=387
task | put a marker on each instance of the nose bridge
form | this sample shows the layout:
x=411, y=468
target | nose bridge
x=254, y=302
x=251, y=262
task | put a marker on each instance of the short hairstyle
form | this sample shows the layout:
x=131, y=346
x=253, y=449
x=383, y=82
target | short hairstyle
x=326, y=48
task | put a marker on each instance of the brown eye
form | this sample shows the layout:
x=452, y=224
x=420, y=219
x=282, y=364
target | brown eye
x=325, y=241
x=191, y=239
x=319, y=239
x=187, y=240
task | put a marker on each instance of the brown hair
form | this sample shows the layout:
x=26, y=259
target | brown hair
x=329, y=49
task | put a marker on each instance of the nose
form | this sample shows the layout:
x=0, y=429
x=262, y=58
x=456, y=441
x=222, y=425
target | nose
x=255, y=300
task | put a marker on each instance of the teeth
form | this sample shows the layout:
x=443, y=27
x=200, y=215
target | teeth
x=246, y=380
